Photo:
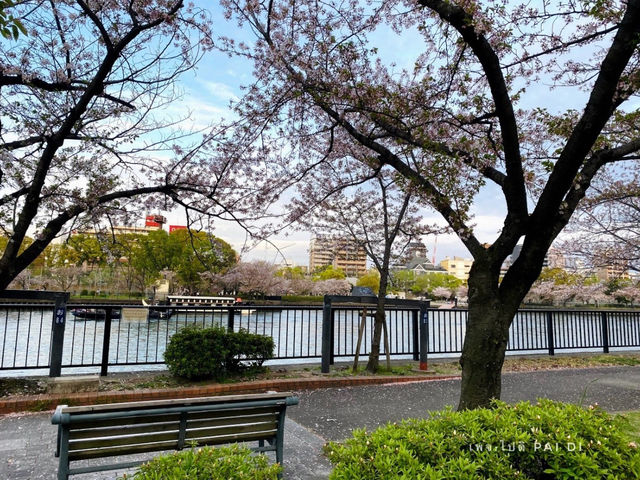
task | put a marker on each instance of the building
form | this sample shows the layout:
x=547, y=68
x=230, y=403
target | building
x=339, y=252
x=416, y=249
x=612, y=271
x=152, y=223
x=421, y=264
x=457, y=266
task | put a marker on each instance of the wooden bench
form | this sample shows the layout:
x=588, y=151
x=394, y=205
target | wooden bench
x=122, y=429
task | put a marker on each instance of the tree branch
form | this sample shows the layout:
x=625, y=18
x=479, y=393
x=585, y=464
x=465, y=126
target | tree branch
x=597, y=113
x=514, y=186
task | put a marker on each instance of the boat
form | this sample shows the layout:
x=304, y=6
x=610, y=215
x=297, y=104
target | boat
x=157, y=310
x=93, y=313
x=175, y=302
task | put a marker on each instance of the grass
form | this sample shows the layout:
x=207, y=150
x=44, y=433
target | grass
x=631, y=424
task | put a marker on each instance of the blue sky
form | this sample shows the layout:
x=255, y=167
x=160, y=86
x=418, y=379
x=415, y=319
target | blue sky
x=216, y=82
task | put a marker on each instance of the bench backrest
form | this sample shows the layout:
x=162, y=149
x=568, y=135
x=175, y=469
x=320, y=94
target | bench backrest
x=128, y=428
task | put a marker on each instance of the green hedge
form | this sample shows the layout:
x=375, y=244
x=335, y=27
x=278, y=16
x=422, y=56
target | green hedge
x=224, y=463
x=201, y=353
x=550, y=440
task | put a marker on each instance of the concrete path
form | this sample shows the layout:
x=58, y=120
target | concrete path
x=333, y=413
x=27, y=441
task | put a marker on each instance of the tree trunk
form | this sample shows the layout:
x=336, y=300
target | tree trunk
x=380, y=318
x=491, y=312
x=483, y=352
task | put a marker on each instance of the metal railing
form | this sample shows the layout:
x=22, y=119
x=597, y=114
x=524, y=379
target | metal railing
x=544, y=331
x=27, y=333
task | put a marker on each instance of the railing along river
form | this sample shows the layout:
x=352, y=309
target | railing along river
x=134, y=339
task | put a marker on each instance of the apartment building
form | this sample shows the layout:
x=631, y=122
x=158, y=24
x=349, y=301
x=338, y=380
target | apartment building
x=340, y=252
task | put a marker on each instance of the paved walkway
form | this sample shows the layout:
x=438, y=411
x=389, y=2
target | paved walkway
x=27, y=442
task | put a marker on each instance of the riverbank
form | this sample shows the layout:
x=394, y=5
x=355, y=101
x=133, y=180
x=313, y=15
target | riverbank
x=43, y=393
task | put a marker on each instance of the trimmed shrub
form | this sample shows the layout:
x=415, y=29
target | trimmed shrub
x=200, y=353
x=550, y=440
x=224, y=463
x=197, y=353
x=247, y=350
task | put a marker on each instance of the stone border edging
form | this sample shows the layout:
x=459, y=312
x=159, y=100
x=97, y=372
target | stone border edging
x=46, y=402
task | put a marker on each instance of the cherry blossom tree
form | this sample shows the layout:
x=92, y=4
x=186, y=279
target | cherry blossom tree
x=606, y=229
x=256, y=278
x=86, y=133
x=378, y=216
x=331, y=287
x=454, y=119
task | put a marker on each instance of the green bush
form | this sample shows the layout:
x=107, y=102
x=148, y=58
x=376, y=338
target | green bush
x=223, y=463
x=197, y=353
x=247, y=350
x=200, y=353
x=550, y=440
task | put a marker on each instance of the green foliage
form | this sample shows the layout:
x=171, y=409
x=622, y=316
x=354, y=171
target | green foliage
x=10, y=27
x=616, y=284
x=370, y=279
x=234, y=462
x=201, y=353
x=403, y=279
x=560, y=276
x=247, y=350
x=199, y=252
x=428, y=282
x=291, y=273
x=329, y=273
x=550, y=440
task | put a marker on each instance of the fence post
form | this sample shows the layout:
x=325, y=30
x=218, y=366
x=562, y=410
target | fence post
x=231, y=319
x=57, y=335
x=106, y=341
x=550, y=338
x=327, y=335
x=332, y=346
x=416, y=334
x=605, y=332
x=424, y=335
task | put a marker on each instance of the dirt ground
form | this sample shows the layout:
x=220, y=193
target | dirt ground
x=10, y=387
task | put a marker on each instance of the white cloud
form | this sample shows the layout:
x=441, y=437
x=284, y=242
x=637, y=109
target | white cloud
x=219, y=90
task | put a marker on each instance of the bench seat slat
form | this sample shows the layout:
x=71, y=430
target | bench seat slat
x=169, y=445
x=116, y=422
x=123, y=430
x=167, y=417
x=216, y=432
x=231, y=420
x=122, y=450
x=154, y=437
x=76, y=434
x=175, y=402
x=233, y=412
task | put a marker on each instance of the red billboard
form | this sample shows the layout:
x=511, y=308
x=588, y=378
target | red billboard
x=155, y=221
x=173, y=228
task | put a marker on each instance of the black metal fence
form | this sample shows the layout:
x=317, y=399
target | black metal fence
x=544, y=331
x=27, y=333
